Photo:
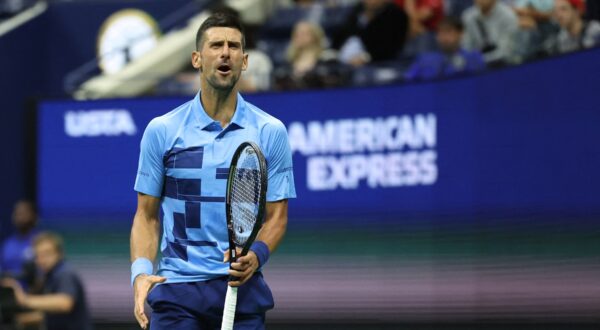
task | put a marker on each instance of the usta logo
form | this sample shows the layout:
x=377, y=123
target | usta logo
x=110, y=122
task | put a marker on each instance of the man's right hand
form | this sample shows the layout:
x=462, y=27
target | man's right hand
x=141, y=286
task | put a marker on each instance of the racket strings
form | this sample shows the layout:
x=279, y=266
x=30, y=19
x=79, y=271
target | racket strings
x=245, y=194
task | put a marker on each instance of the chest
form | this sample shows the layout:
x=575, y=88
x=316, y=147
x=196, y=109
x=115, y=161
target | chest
x=195, y=153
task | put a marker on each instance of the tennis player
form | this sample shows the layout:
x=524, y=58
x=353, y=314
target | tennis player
x=183, y=168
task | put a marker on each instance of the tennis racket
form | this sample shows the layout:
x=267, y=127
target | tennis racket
x=244, y=208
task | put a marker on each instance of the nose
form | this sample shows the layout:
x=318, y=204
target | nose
x=225, y=51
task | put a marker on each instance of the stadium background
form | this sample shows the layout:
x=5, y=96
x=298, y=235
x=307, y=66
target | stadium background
x=507, y=234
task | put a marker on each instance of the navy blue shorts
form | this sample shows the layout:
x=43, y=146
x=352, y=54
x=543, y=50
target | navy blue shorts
x=199, y=305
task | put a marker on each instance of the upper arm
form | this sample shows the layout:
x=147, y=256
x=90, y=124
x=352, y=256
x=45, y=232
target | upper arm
x=148, y=206
x=277, y=210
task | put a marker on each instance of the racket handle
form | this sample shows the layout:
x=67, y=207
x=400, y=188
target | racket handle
x=229, y=310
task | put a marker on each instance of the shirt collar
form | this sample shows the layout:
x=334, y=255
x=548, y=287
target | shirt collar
x=206, y=122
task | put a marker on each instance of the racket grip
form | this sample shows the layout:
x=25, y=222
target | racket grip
x=229, y=309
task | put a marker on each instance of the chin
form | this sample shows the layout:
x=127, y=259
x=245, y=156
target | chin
x=223, y=85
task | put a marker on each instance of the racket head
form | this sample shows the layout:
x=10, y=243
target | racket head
x=245, y=197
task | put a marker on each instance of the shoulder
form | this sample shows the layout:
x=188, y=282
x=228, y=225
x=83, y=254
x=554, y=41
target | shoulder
x=262, y=118
x=170, y=120
x=9, y=241
x=270, y=128
x=505, y=12
x=470, y=13
x=66, y=272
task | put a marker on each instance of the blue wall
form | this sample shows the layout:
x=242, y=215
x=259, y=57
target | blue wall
x=516, y=141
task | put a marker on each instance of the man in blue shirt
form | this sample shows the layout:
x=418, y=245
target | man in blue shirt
x=184, y=160
x=451, y=60
x=16, y=258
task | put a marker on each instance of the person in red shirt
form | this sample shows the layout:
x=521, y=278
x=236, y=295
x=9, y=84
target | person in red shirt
x=425, y=15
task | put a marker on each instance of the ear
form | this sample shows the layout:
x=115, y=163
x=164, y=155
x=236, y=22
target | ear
x=245, y=62
x=196, y=60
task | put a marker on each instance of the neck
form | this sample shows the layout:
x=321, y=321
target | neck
x=24, y=231
x=488, y=10
x=218, y=104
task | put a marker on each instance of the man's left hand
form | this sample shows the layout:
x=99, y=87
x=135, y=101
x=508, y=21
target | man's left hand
x=243, y=268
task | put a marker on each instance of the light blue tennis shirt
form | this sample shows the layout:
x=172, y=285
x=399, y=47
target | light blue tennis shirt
x=184, y=160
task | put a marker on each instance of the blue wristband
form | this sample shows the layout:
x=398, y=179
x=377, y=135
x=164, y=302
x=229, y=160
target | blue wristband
x=261, y=250
x=140, y=266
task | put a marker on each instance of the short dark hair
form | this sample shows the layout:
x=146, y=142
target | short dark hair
x=452, y=22
x=48, y=236
x=220, y=19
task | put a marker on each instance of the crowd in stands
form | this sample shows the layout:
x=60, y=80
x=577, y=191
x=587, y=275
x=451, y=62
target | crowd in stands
x=316, y=44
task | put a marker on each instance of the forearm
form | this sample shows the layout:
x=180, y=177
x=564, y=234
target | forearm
x=144, y=236
x=275, y=225
x=29, y=319
x=50, y=303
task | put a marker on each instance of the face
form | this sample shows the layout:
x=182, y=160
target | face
x=23, y=216
x=303, y=35
x=46, y=256
x=221, y=58
x=485, y=5
x=374, y=4
x=448, y=38
x=565, y=13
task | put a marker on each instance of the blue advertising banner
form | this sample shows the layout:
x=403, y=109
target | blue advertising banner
x=512, y=141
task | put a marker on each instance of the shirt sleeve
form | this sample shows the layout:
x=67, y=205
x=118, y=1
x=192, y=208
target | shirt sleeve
x=278, y=155
x=151, y=170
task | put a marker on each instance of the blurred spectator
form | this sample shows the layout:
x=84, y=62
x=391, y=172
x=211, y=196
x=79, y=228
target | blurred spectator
x=536, y=29
x=306, y=48
x=62, y=306
x=424, y=15
x=424, y=18
x=17, y=256
x=575, y=33
x=451, y=60
x=375, y=31
x=490, y=27
x=309, y=63
x=253, y=12
x=257, y=76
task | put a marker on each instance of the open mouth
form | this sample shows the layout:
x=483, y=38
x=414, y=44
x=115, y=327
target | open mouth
x=224, y=68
